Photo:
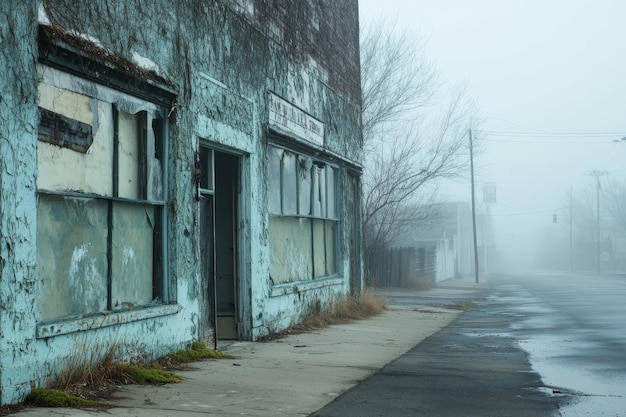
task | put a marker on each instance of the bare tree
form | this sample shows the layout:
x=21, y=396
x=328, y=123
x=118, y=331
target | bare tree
x=412, y=140
x=396, y=74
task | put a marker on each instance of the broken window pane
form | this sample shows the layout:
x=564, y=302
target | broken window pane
x=156, y=180
x=304, y=182
x=151, y=158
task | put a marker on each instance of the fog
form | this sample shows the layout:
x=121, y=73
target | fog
x=549, y=80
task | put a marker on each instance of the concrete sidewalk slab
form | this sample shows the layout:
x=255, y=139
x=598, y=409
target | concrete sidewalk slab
x=293, y=376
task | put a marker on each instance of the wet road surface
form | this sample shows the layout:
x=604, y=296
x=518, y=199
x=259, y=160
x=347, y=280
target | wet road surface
x=528, y=345
x=574, y=329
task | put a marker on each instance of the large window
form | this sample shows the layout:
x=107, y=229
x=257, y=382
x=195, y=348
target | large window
x=101, y=198
x=303, y=216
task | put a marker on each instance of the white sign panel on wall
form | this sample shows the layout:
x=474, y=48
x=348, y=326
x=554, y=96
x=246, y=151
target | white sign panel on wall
x=286, y=118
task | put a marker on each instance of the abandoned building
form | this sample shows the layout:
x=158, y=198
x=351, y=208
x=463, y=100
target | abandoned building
x=194, y=175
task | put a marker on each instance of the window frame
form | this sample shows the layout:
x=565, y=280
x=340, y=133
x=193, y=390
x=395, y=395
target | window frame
x=153, y=140
x=314, y=219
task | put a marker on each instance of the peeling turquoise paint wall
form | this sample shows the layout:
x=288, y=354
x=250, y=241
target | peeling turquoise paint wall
x=224, y=60
x=18, y=139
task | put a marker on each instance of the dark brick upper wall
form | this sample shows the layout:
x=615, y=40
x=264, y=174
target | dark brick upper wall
x=326, y=31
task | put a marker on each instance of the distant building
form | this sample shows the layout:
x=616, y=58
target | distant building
x=429, y=251
x=448, y=235
x=172, y=172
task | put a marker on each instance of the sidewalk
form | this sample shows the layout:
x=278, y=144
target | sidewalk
x=293, y=376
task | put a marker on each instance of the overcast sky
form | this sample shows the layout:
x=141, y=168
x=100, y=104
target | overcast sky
x=550, y=79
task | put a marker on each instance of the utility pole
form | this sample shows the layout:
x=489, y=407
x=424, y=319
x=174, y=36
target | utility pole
x=473, y=206
x=597, y=175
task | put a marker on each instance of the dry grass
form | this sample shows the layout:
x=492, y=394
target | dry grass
x=338, y=310
x=90, y=377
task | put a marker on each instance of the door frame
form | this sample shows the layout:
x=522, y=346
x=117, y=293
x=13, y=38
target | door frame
x=241, y=222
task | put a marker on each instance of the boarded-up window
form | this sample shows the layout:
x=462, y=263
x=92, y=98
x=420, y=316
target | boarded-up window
x=302, y=227
x=62, y=168
x=101, y=198
x=72, y=255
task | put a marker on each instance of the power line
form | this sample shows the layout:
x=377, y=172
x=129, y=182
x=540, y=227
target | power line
x=519, y=137
x=539, y=141
x=516, y=124
x=555, y=134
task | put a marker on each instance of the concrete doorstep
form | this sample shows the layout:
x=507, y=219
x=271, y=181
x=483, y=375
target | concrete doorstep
x=293, y=376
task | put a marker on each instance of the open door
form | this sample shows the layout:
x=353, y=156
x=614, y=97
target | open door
x=218, y=195
x=226, y=278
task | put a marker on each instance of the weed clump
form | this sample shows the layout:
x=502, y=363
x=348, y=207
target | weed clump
x=342, y=309
x=197, y=352
x=93, y=377
x=144, y=375
x=43, y=397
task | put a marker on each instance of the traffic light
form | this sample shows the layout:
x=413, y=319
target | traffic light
x=554, y=218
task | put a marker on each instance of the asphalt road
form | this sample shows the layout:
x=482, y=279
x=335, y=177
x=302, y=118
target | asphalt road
x=529, y=345
x=574, y=329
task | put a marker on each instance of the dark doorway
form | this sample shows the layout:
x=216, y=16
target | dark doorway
x=219, y=191
x=226, y=192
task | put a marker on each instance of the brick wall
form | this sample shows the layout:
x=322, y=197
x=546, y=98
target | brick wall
x=323, y=32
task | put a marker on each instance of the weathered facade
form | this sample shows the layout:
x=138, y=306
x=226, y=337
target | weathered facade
x=171, y=172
